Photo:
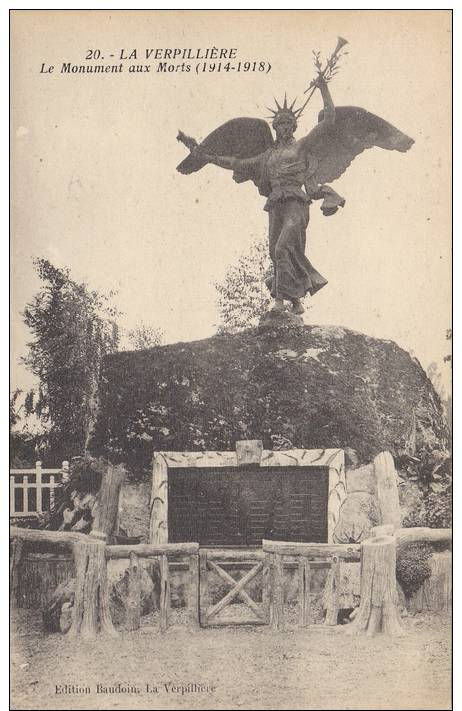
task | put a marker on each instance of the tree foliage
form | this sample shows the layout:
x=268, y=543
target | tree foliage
x=243, y=295
x=440, y=378
x=448, y=357
x=73, y=327
x=144, y=336
x=15, y=407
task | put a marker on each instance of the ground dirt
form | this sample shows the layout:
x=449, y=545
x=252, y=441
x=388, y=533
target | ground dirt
x=243, y=667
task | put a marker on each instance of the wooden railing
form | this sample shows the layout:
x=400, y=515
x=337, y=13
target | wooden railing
x=91, y=555
x=32, y=490
x=162, y=553
x=307, y=555
x=252, y=564
x=91, y=616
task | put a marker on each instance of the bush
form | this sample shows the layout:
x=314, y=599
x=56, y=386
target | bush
x=433, y=509
x=412, y=567
x=439, y=509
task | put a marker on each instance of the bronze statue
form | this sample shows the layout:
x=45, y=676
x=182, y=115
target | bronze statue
x=292, y=173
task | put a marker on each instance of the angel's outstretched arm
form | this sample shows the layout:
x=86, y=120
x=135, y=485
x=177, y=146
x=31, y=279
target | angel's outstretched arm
x=229, y=162
x=226, y=162
x=236, y=145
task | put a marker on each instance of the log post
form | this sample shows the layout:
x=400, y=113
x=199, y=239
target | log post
x=91, y=614
x=193, y=594
x=203, y=586
x=387, y=489
x=333, y=593
x=438, y=587
x=277, y=597
x=435, y=592
x=108, y=502
x=377, y=610
x=447, y=588
x=266, y=585
x=158, y=525
x=304, y=591
x=164, y=593
x=416, y=601
x=16, y=555
x=134, y=593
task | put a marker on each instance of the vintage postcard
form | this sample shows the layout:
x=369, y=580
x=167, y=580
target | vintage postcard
x=231, y=405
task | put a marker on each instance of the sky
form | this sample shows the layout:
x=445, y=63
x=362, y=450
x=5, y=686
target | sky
x=94, y=185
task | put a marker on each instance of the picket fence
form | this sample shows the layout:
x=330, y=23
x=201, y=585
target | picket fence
x=32, y=490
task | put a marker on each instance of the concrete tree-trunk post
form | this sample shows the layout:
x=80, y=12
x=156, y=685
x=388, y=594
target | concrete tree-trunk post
x=107, y=510
x=277, y=599
x=91, y=615
x=333, y=593
x=378, y=611
x=134, y=593
x=387, y=489
x=15, y=561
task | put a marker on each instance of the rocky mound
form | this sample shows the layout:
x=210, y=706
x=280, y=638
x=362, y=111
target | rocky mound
x=312, y=387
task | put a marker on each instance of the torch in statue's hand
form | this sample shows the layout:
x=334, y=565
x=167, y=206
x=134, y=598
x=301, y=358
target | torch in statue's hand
x=330, y=70
x=317, y=83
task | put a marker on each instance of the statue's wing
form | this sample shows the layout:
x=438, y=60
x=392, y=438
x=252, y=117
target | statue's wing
x=239, y=138
x=355, y=129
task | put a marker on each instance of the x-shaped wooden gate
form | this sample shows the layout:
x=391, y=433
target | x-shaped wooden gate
x=212, y=561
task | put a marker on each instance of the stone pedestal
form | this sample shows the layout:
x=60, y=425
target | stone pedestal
x=280, y=319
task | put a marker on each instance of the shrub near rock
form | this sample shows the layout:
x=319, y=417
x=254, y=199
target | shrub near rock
x=412, y=567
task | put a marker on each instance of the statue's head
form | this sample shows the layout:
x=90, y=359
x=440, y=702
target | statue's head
x=285, y=119
x=284, y=125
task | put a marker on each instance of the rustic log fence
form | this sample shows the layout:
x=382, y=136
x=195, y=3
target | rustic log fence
x=214, y=561
x=378, y=601
x=307, y=555
x=90, y=616
x=160, y=553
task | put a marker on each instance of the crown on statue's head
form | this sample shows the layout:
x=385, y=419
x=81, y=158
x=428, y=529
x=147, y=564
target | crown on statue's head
x=285, y=110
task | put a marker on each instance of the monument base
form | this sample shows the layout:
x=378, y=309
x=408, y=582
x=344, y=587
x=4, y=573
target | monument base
x=280, y=319
x=311, y=384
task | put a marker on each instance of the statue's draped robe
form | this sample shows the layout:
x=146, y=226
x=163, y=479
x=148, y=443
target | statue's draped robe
x=279, y=173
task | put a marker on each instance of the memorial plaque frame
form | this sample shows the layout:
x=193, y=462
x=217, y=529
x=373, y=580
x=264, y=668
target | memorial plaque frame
x=164, y=462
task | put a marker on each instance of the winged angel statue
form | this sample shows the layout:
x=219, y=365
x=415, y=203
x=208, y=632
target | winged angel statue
x=292, y=173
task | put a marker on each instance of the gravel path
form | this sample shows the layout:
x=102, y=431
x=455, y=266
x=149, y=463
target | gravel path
x=233, y=668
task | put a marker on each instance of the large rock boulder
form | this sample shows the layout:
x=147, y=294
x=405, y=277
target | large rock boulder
x=313, y=386
x=359, y=513
x=361, y=479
